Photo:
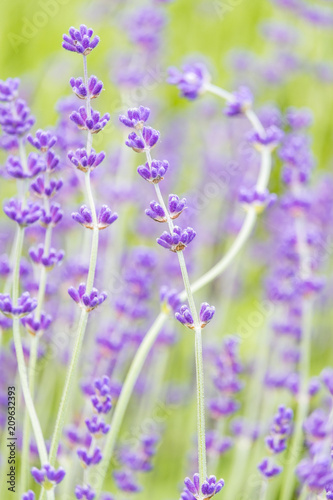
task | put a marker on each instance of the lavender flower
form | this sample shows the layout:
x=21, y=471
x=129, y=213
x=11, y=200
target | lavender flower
x=178, y=240
x=48, y=476
x=270, y=138
x=84, y=492
x=268, y=469
x=258, y=200
x=126, y=482
x=43, y=140
x=52, y=161
x=97, y=427
x=280, y=430
x=80, y=41
x=25, y=305
x=155, y=173
x=52, y=217
x=86, y=161
x=209, y=488
x=88, y=459
x=299, y=118
x=9, y=89
x=82, y=91
x=315, y=473
x=191, y=81
x=41, y=189
x=24, y=215
x=327, y=378
x=34, y=326
x=135, y=117
x=35, y=165
x=170, y=298
x=94, y=124
x=185, y=317
x=242, y=101
x=87, y=301
x=49, y=261
x=105, y=217
x=147, y=141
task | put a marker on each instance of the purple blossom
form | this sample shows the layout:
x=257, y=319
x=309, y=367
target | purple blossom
x=299, y=118
x=241, y=102
x=170, y=298
x=259, y=200
x=269, y=138
x=24, y=215
x=223, y=406
x=105, y=217
x=156, y=212
x=87, y=458
x=9, y=143
x=101, y=395
x=315, y=473
x=185, y=317
x=52, y=217
x=80, y=41
x=85, y=491
x=48, y=476
x=82, y=91
x=97, y=427
x=191, y=81
x=34, y=326
x=135, y=117
x=29, y=495
x=43, y=140
x=34, y=165
x=16, y=120
x=327, y=378
x=25, y=305
x=145, y=26
x=268, y=468
x=95, y=123
x=126, y=482
x=49, y=261
x=155, y=172
x=144, y=142
x=86, y=161
x=41, y=189
x=209, y=487
x=178, y=240
x=84, y=300
x=280, y=430
x=9, y=89
x=52, y=161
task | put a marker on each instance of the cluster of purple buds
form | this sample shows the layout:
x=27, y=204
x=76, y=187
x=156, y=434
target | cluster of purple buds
x=191, y=81
x=48, y=476
x=35, y=164
x=29, y=495
x=85, y=491
x=88, y=458
x=209, y=488
x=185, y=317
x=25, y=305
x=256, y=199
x=170, y=299
x=40, y=189
x=52, y=161
x=52, y=217
x=105, y=217
x=155, y=172
x=140, y=458
x=82, y=91
x=241, y=102
x=94, y=123
x=270, y=138
x=145, y=141
x=268, y=468
x=135, y=118
x=178, y=240
x=175, y=208
x=16, y=120
x=86, y=161
x=9, y=89
x=43, y=140
x=34, y=326
x=49, y=261
x=80, y=41
x=125, y=481
x=280, y=430
x=24, y=215
x=316, y=473
x=87, y=301
x=299, y=118
x=101, y=400
x=97, y=427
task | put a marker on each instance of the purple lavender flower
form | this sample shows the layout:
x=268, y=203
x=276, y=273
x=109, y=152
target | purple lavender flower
x=270, y=138
x=35, y=327
x=9, y=89
x=170, y=298
x=84, y=161
x=101, y=399
x=155, y=173
x=16, y=120
x=53, y=217
x=9, y=143
x=29, y=495
x=23, y=215
x=82, y=91
x=178, y=240
x=259, y=200
x=135, y=117
x=48, y=476
x=145, y=26
x=94, y=124
x=85, y=491
x=80, y=41
x=268, y=469
x=41, y=189
x=206, y=314
x=52, y=161
x=49, y=261
x=327, y=378
x=209, y=488
x=125, y=481
x=280, y=430
x=156, y=212
x=299, y=118
x=35, y=165
x=43, y=140
x=88, y=459
x=191, y=81
x=25, y=305
x=87, y=301
x=105, y=217
x=97, y=427
x=315, y=473
x=242, y=101
x=139, y=144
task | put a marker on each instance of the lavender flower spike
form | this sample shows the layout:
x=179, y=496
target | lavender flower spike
x=147, y=141
x=178, y=240
x=80, y=41
x=94, y=124
x=25, y=305
x=89, y=459
x=84, y=492
x=92, y=90
x=155, y=173
x=135, y=117
x=84, y=300
x=209, y=488
x=48, y=476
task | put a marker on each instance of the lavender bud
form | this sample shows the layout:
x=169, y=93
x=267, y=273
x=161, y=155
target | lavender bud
x=178, y=240
x=48, y=476
x=43, y=140
x=191, y=81
x=135, y=117
x=80, y=41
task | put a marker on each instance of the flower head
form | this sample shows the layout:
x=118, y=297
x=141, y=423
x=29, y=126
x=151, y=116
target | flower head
x=135, y=117
x=97, y=427
x=241, y=102
x=270, y=138
x=154, y=172
x=268, y=468
x=80, y=40
x=42, y=190
x=84, y=300
x=185, y=317
x=52, y=217
x=25, y=305
x=43, y=140
x=85, y=491
x=209, y=487
x=39, y=326
x=125, y=481
x=86, y=161
x=48, y=476
x=9, y=89
x=16, y=120
x=144, y=142
x=34, y=165
x=191, y=81
x=23, y=215
x=170, y=298
x=92, y=90
x=105, y=217
x=49, y=261
x=87, y=458
x=101, y=398
x=178, y=240
x=258, y=200
x=95, y=123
